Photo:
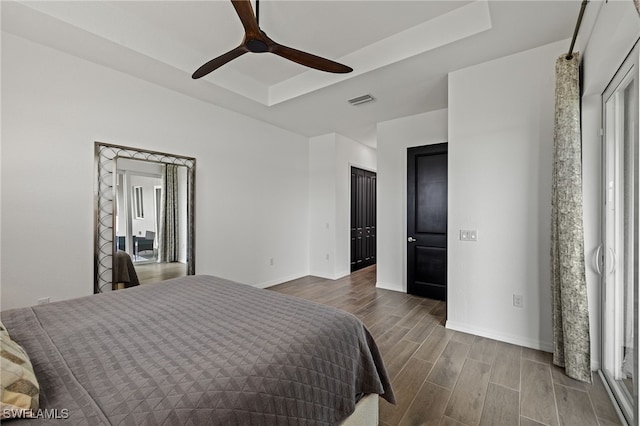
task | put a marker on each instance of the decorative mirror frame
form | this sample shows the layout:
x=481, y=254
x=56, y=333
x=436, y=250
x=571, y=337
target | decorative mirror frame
x=106, y=156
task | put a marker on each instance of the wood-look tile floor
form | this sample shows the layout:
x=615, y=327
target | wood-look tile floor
x=149, y=273
x=445, y=377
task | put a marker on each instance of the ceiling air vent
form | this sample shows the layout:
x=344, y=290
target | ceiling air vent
x=361, y=100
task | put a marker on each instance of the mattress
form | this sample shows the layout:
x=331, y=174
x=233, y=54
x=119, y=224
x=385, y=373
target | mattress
x=197, y=350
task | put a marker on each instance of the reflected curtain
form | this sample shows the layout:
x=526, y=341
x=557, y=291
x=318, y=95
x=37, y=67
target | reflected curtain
x=637, y=2
x=572, y=346
x=168, y=239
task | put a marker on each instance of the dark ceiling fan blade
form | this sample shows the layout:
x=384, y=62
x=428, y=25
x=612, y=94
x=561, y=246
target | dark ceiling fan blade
x=248, y=18
x=219, y=61
x=309, y=60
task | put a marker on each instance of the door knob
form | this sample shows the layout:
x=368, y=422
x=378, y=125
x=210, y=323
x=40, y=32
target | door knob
x=411, y=240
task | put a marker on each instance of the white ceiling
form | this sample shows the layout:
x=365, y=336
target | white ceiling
x=401, y=51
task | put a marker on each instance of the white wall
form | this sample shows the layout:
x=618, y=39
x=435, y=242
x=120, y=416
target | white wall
x=330, y=159
x=616, y=30
x=394, y=137
x=500, y=166
x=251, y=179
x=322, y=206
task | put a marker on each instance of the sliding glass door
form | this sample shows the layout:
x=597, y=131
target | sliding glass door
x=620, y=239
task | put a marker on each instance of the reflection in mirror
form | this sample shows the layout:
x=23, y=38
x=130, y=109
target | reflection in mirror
x=138, y=202
x=155, y=243
x=144, y=217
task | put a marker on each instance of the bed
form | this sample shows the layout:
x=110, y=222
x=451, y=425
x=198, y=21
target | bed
x=198, y=350
x=124, y=271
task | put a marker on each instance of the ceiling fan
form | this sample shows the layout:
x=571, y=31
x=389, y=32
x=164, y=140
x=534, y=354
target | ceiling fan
x=256, y=41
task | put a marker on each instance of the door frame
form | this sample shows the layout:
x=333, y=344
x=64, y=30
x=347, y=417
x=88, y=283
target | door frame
x=350, y=194
x=608, y=257
x=436, y=148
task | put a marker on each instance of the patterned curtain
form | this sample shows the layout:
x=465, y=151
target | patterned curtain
x=168, y=239
x=572, y=347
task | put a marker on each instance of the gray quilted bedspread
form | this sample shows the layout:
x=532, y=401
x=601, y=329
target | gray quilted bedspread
x=198, y=350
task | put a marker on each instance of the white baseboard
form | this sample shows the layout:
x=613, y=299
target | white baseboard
x=516, y=340
x=277, y=281
x=491, y=334
x=342, y=274
x=320, y=275
x=387, y=286
x=328, y=276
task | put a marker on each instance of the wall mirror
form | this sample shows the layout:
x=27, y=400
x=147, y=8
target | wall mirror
x=144, y=216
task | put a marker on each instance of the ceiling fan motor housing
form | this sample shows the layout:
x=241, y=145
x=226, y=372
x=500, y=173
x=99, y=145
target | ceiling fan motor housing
x=257, y=46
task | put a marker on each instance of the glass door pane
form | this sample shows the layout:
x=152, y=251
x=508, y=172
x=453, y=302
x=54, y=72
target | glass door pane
x=619, y=319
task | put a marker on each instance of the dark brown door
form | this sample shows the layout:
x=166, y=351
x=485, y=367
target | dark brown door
x=427, y=221
x=363, y=218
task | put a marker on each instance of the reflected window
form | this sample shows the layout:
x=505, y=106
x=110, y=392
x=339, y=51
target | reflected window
x=138, y=204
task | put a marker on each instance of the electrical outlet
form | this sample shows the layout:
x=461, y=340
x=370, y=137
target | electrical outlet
x=517, y=300
x=468, y=235
x=43, y=301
